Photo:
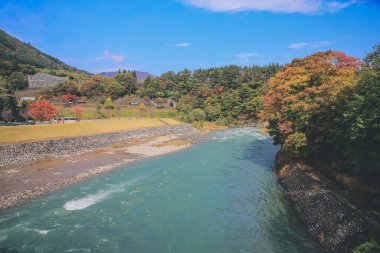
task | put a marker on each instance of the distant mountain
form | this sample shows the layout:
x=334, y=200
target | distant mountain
x=14, y=50
x=141, y=76
x=109, y=74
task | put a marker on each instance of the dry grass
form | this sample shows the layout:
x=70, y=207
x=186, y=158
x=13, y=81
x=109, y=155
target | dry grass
x=93, y=106
x=16, y=134
x=176, y=142
x=169, y=121
x=209, y=126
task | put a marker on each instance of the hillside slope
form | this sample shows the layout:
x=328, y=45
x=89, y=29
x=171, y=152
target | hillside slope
x=14, y=50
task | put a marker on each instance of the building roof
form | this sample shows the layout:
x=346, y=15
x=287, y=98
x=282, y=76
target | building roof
x=27, y=98
x=41, y=80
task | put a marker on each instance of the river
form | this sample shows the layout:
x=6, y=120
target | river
x=218, y=196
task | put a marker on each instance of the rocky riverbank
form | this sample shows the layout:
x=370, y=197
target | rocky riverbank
x=24, y=153
x=336, y=224
x=36, y=168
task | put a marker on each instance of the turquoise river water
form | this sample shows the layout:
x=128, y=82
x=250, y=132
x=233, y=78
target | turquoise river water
x=218, y=196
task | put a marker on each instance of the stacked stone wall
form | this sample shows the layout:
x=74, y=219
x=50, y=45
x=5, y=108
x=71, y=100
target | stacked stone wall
x=335, y=224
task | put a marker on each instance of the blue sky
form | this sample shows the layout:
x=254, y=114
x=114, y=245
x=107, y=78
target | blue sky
x=161, y=35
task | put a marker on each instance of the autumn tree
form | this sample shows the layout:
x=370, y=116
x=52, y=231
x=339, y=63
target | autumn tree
x=108, y=104
x=142, y=109
x=42, y=110
x=77, y=111
x=100, y=87
x=69, y=87
x=70, y=98
x=296, y=96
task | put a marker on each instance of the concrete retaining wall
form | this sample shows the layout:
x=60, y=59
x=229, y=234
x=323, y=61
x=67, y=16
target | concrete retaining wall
x=335, y=224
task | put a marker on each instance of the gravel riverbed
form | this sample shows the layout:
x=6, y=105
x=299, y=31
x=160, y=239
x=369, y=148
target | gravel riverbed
x=29, y=170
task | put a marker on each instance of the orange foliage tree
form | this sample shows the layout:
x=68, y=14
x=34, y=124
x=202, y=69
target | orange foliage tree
x=101, y=86
x=41, y=110
x=70, y=98
x=297, y=94
x=78, y=112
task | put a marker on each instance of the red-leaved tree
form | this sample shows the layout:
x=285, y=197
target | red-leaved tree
x=70, y=98
x=42, y=110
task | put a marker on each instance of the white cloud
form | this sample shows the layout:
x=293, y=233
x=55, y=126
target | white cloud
x=335, y=6
x=283, y=6
x=113, y=57
x=182, y=44
x=107, y=55
x=248, y=56
x=314, y=44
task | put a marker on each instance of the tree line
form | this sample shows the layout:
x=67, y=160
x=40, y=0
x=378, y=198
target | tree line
x=228, y=95
x=324, y=105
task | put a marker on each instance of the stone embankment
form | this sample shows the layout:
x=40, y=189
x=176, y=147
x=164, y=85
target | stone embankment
x=336, y=224
x=23, y=153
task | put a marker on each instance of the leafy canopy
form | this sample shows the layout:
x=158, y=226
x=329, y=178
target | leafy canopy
x=42, y=110
x=297, y=94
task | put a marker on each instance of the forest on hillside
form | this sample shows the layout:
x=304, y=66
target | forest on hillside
x=228, y=95
x=15, y=51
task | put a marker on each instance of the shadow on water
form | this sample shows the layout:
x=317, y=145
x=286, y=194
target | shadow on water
x=258, y=152
x=281, y=219
x=283, y=224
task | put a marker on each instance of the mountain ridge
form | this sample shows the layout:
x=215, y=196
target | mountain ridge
x=141, y=76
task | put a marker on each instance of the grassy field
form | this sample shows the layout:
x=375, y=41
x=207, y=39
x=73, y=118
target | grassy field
x=124, y=111
x=15, y=134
